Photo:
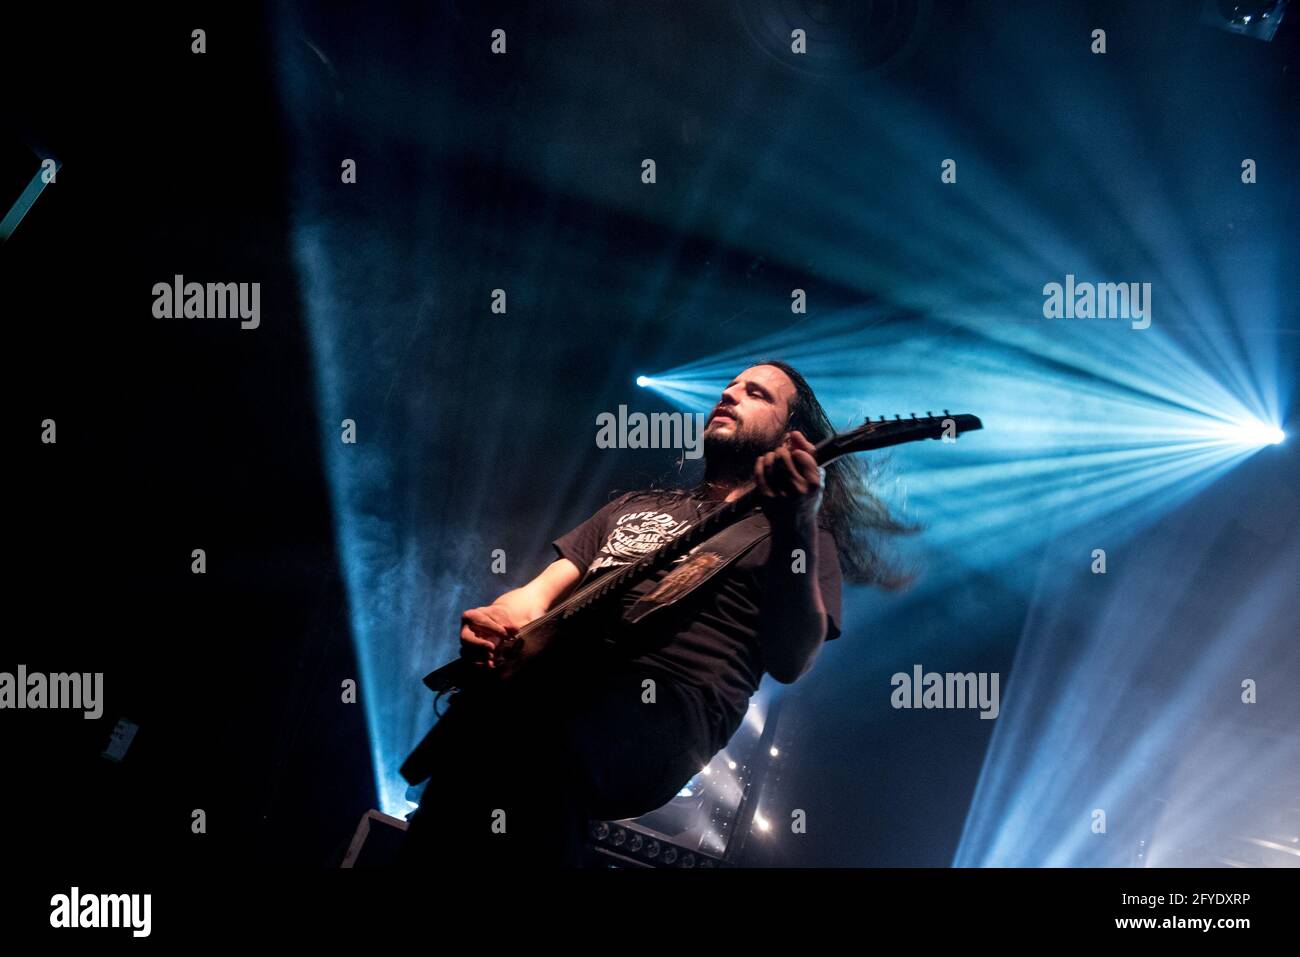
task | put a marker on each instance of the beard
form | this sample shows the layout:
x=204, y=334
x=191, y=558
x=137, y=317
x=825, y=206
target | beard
x=730, y=458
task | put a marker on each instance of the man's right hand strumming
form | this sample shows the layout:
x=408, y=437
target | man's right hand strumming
x=481, y=629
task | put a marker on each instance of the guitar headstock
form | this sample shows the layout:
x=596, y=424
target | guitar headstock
x=883, y=432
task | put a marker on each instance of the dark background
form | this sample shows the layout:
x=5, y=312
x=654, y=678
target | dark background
x=176, y=435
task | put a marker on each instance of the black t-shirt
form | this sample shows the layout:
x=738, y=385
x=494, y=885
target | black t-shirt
x=708, y=641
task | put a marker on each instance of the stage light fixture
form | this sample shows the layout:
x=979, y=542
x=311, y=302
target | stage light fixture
x=1249, y=18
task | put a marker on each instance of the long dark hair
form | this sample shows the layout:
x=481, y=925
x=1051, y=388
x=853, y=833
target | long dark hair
x=859, y=521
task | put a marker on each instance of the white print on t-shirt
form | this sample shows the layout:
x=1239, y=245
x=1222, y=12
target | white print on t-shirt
x=636, y=535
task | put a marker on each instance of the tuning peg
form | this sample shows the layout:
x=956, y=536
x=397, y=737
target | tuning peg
x=914, y=415
x=946, y=412
x=897, y=417
x=929, y=414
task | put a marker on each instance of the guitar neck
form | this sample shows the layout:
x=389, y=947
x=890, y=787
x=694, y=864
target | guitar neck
x=871, y=435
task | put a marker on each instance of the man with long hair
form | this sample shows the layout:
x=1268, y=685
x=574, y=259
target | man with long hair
x=610, y=735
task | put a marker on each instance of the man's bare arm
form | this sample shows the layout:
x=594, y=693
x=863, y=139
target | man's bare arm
x=793, y=620
x=535, y=599
x=482, y=628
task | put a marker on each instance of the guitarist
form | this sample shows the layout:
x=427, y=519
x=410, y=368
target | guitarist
x=591, y=733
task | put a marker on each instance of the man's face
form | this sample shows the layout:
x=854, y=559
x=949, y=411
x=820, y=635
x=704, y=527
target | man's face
x=752, y=413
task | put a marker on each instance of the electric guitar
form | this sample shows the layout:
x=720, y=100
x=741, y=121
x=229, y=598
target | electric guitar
x=515, y=653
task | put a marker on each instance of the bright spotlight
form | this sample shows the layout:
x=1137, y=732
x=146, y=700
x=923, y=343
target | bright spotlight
x=1253, y=432
x=642, y=381
x=1271, y=434
x=1241, y=432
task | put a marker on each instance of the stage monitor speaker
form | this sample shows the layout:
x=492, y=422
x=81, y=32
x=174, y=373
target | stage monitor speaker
x=376, y=842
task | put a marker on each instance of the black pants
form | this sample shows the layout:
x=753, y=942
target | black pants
x=518, y=773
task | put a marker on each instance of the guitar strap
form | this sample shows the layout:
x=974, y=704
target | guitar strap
x=699, y=565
